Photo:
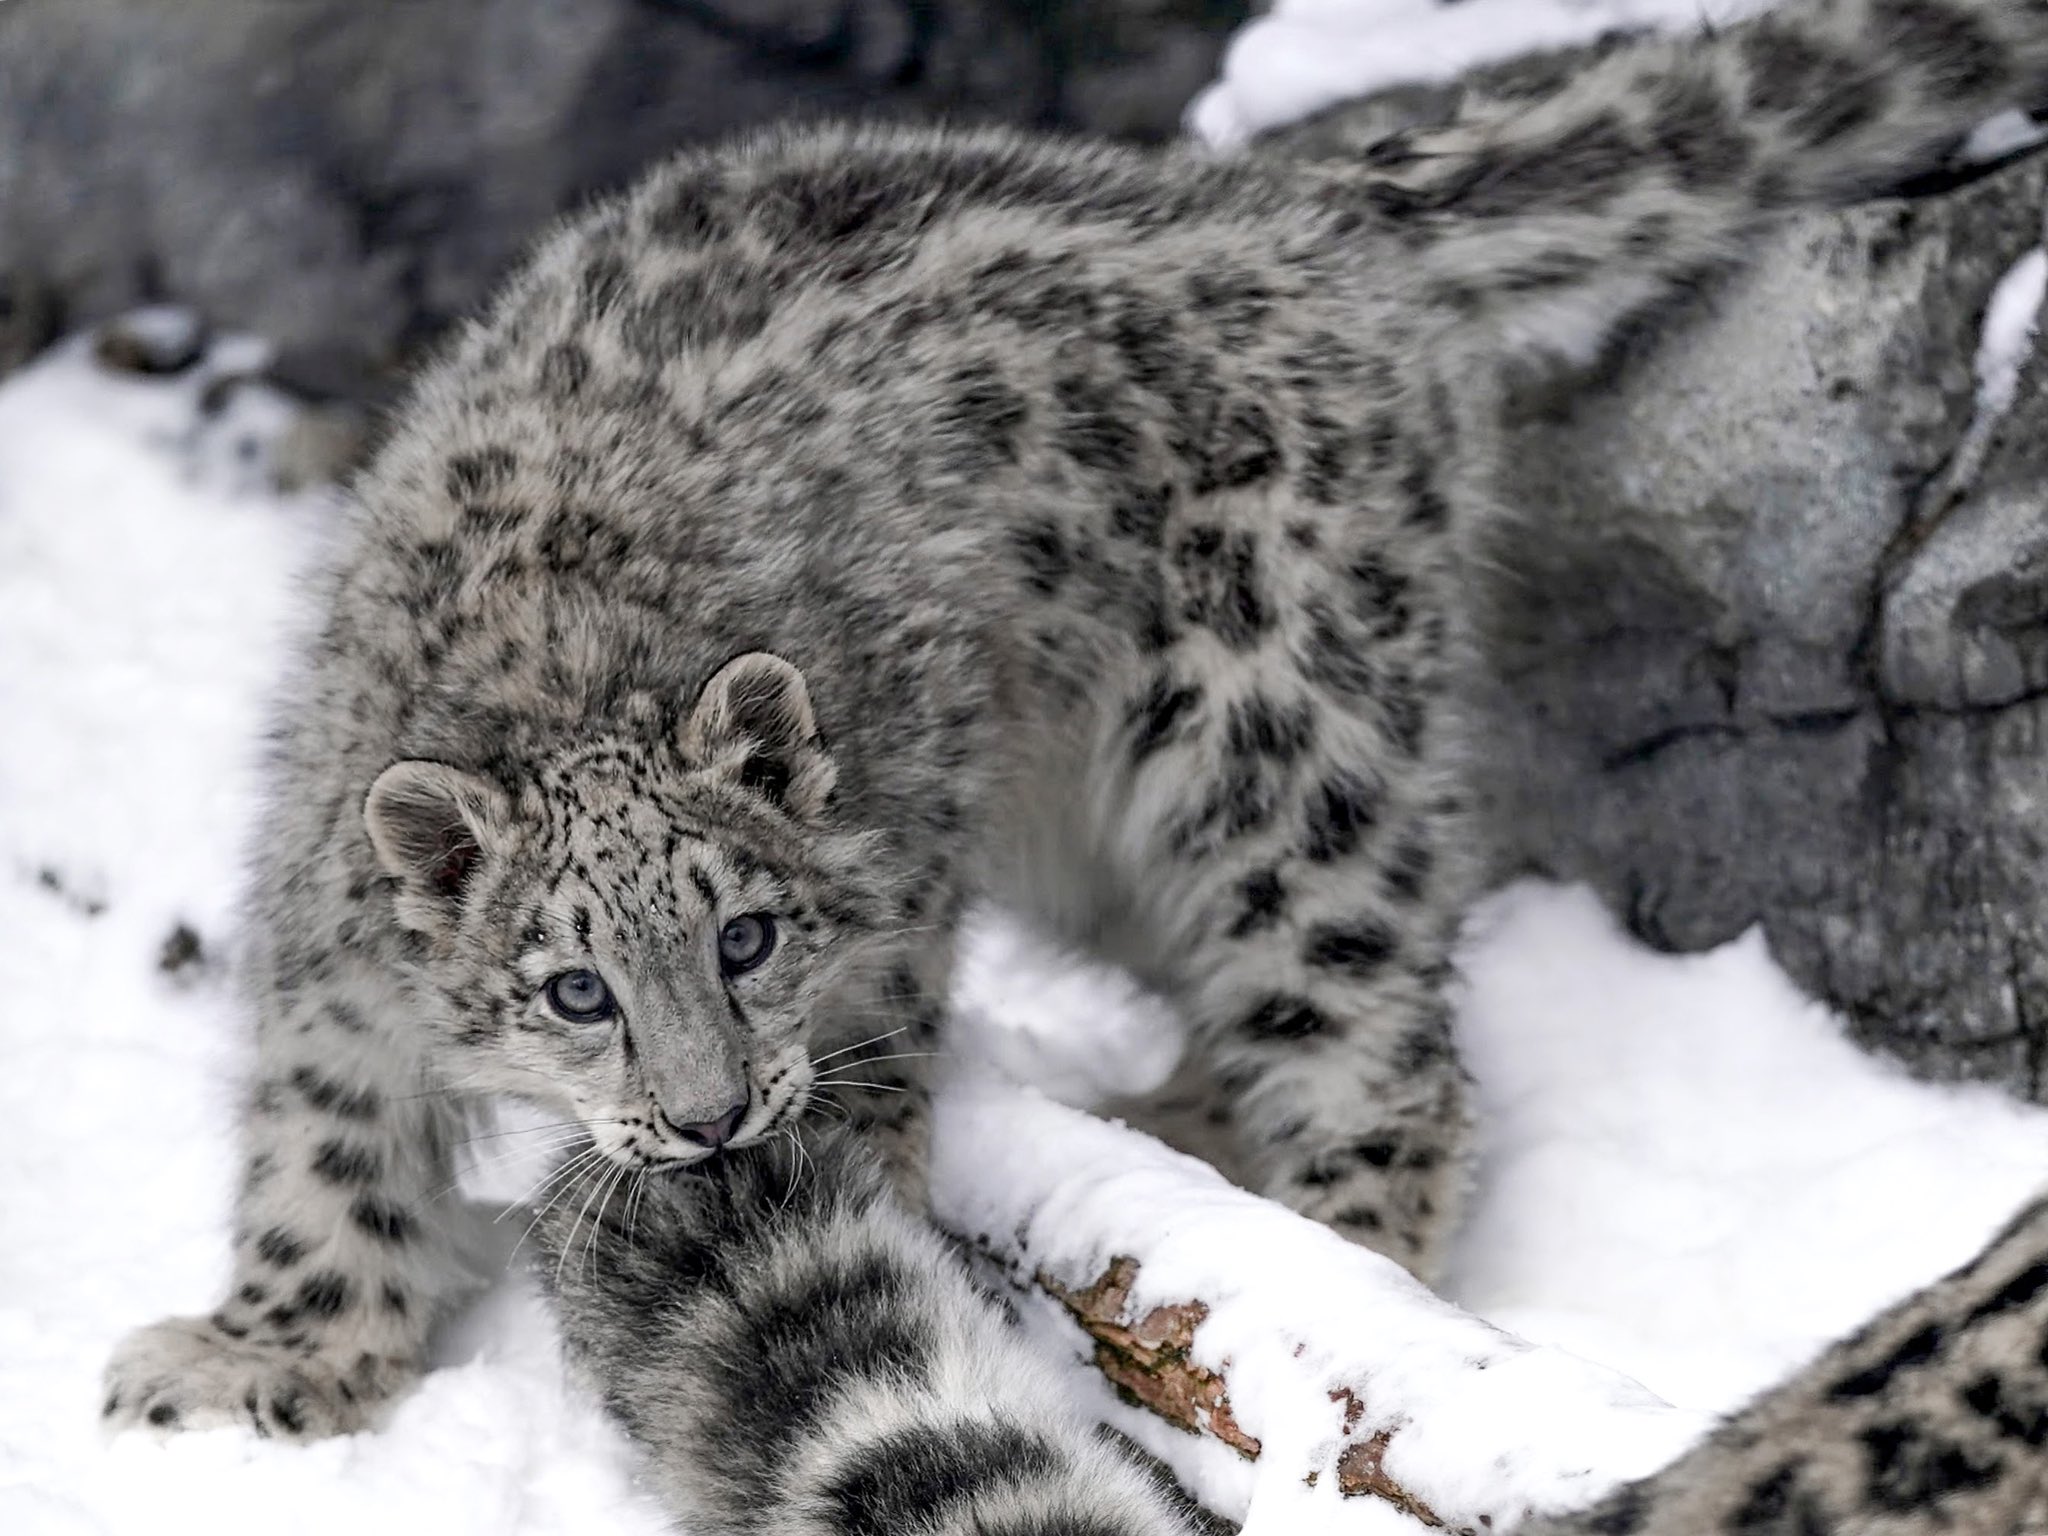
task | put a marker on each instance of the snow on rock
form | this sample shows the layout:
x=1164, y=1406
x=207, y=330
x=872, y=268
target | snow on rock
x=2010, y=319
x=2001, y=134
x=1302, y=56
x=160, y=338
x=1688, y=1174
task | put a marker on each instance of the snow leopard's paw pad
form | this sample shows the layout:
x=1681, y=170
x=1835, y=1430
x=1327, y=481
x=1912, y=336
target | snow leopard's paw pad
x=186, y=1373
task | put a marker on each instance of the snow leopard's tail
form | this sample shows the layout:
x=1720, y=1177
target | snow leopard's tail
x=1549, y=219
x=1933, y=1419
x=798, y=1354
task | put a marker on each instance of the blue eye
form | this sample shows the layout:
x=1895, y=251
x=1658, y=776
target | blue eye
x=745, y=942
x=581, y=997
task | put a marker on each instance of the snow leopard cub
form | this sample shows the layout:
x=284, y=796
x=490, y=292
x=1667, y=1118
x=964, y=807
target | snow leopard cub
x=857, y=522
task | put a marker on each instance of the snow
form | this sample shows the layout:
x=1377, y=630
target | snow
x=2005, y=343
x=1688, y=1176
x=2001, y=134
x=1483, y=1425
x=2010, y=318
x=145, y=597
x=1130, y=1047
x=1302, y=56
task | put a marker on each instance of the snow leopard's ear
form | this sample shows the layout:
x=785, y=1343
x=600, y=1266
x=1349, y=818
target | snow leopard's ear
x=432, y=826
x=754, y=721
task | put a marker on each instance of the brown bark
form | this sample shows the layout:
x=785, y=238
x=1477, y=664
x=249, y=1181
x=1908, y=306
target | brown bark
x=1361, y=1473
x=1147, y=1359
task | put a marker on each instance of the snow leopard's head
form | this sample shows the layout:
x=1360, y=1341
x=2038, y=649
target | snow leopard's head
x=645, y=933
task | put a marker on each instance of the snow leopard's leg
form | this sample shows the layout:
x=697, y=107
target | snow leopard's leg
x=1548, y=220
x=343, y=1254
x=1932, y=1418
x=1305, y=875
x=798, y=1353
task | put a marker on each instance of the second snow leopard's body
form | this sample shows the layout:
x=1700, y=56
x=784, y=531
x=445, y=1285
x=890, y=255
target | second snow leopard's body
x=848, y=526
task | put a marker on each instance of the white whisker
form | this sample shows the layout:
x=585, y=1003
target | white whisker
x=803, y=1153
x=541, y=1184
x=562, y=1178
x=871, y=1040
x=581, y=1163
x=868, y=1061
x=570, y=1241
x=838, y=1109
x=535, y=1130
x=502, y=1158
x=789, y=1194
x=842, y=1082
x=633, y=1203
x=619, y=1172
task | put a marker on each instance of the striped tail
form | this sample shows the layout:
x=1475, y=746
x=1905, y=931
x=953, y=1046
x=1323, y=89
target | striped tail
x=1551, y=220
x=1934, y=1419
x=799, y=1355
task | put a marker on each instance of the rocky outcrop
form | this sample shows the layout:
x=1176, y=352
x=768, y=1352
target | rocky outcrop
x=1768, y=633
x=1770, y=643
x=344, y=178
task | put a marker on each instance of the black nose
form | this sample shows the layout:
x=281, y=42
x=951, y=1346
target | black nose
x=715, y=1133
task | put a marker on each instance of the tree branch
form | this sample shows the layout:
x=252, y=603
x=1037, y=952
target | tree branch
x=1286, y=1376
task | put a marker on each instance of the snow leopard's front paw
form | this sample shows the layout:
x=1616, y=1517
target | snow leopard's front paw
x=187, y=1373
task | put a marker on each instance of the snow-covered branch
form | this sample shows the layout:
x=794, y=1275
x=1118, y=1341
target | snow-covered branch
x=1286, y=1376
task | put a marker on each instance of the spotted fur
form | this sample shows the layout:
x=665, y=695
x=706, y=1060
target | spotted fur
x=1932, y=1418
x=857, y=522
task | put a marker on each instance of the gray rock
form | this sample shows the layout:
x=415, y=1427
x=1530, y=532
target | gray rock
x=1768, y=641
x=160, y=338
x=345, y=178
x=1771, y=641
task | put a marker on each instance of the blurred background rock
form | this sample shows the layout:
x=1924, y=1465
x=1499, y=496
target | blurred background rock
x=344, y=177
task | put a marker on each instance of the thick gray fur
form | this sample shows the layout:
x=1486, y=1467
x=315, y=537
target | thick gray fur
x=855, y=523
x=802, y=1355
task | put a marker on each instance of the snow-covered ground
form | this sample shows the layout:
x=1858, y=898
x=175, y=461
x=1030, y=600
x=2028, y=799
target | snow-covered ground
x=1688, y=1175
